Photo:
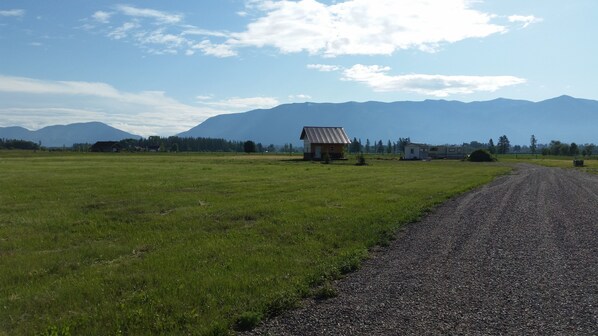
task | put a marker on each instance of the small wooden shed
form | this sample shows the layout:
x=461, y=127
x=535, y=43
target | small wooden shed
x=320, y=140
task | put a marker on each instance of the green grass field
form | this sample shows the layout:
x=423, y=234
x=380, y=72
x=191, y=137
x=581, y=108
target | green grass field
x=194, y=244
x=590, y=164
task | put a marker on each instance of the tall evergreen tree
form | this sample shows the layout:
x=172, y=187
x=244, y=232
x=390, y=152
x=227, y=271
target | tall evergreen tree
x=380, y=147
x=355, y=146
x=533, y=144
x=367, y=145
x=389, y=147
x=491, y=147
x=503, y=145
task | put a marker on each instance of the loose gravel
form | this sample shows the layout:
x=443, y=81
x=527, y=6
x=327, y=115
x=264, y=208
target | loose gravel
x=516, y=257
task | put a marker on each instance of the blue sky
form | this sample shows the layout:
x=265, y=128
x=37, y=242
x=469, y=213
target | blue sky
x=162, y=67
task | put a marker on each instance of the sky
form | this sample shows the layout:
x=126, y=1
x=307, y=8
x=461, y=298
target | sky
x=162, y=67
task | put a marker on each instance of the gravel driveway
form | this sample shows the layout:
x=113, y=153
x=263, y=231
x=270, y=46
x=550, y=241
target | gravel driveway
x=515, y=257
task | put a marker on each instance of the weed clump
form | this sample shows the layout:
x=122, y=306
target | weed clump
x=361, y=160
x=247, y=321
x=326, y=291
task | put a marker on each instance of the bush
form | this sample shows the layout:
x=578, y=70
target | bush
x=481, y=155
x=247, y=321
x=361, y=160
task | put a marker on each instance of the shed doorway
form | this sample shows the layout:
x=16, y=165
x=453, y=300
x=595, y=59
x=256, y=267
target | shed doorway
x=318, y=154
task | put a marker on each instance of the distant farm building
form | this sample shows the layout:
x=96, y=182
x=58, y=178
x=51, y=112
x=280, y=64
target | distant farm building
x=321, y=141
x=415, y=151
x=106, y=146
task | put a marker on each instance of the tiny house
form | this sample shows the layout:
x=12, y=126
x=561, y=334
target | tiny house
x=321, y=141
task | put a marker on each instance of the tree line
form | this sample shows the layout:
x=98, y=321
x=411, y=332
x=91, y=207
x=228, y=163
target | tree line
x=378, y=147
x=555, y=147
x=18, y=144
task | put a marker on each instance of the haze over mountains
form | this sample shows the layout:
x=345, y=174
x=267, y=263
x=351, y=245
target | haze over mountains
x=432, y=121
x=67, y=135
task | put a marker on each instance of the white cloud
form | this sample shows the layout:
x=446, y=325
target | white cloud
x=364, y=27
x=323, y=67
x=13, y=12
x=351, y=27
x=123, y=31
x=237, y=104
x=377, y=78
x=190, y=30
x=161, y=38
x=160, y=16
x=101, y=16
x=158, y=32
x=299, y=97
x=218, y=50
x=524, y=20
x=34, y=102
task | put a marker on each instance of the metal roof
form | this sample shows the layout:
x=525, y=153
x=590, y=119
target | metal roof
x=325, y=135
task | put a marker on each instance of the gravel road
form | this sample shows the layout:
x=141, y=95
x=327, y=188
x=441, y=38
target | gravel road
x=516, y=257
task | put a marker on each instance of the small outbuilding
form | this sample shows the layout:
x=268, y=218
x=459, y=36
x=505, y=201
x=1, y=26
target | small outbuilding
x=319, y=141
x=106, y=146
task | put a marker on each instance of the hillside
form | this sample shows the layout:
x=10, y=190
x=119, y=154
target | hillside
x=432, y=121
x=66, y=135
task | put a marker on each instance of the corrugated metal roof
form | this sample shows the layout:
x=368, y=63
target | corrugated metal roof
x=327, y=135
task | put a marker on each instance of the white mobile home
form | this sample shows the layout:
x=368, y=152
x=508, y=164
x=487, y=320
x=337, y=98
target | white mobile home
x=415, y=151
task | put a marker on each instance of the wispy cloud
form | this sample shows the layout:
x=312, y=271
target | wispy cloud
x=52, y=102
x=238, y=104
x=159, y=16
x=157, y=32
x=101, y=16
x=524, y=20
x=123, y=31
x=377, y=78
x=218, y=50
x=13, y=12
x=323, y=67
x=301, y=96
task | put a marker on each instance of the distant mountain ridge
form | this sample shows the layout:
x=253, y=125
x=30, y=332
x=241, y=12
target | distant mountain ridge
x=431, y=121
x=67, y=135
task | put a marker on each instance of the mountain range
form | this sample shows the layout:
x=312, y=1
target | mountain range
x=432, y=121
x=563, y=118
x=67, y=135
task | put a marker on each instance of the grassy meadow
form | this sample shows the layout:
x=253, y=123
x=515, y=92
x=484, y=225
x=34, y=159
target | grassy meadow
x=590, y=163
x=194, y=243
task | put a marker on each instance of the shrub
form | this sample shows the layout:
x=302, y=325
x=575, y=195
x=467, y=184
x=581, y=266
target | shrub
x=247, y=321
x=481, y=155
x=361, y=160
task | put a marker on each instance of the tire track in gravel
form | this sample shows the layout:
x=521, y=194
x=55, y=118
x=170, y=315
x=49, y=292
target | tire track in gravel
x=517, y=256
